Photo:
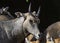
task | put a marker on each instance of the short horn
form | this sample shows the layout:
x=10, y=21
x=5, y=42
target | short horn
x=29, y=9
x=38, y=12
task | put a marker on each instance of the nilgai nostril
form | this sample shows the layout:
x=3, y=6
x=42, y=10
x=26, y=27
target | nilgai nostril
x=40, y=35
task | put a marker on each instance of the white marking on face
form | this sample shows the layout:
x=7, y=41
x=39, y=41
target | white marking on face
x=49, y=40
x=26, y=40
x=37, y=36
x=47, y=36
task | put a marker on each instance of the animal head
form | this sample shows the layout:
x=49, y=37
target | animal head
x=3, y=9
x=30, y=23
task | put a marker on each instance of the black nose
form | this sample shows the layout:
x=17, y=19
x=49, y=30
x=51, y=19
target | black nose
x=40, y=35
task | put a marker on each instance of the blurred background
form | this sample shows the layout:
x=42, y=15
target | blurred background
x=50, y=10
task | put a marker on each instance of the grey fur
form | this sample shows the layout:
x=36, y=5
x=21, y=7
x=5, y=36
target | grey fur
x=53, y=31
x=13, y=27
x=16, y=27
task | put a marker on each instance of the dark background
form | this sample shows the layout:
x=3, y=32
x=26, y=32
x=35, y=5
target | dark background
x=50, y=9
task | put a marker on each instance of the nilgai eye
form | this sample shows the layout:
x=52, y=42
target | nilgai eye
x=31, y=21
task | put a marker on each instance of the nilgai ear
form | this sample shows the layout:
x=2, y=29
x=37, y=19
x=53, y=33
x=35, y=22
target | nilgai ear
x=29, y=9
x=18, y=14
x=38, y=12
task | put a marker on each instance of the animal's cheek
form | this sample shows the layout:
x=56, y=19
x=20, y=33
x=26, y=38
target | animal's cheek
x=25, y=24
